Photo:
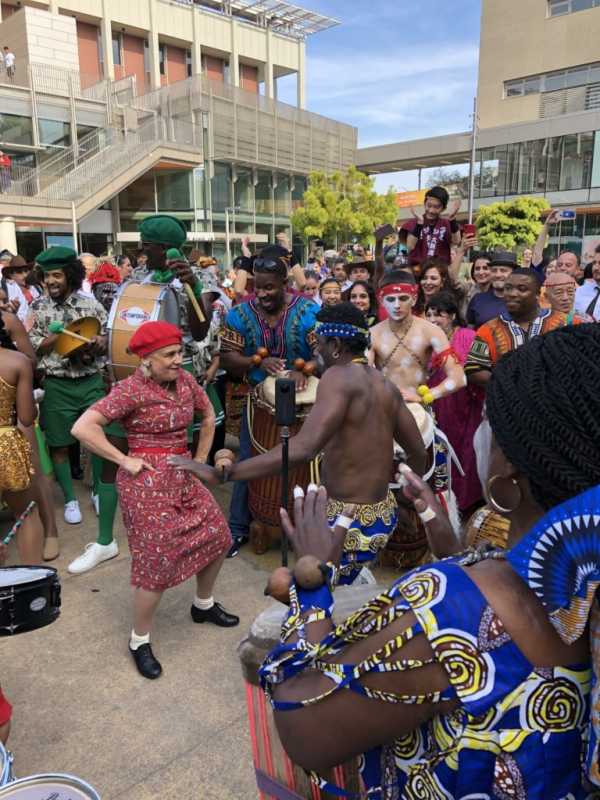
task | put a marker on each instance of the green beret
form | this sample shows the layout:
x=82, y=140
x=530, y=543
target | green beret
x=173, y=254
x=55, y=258
x=163, y=229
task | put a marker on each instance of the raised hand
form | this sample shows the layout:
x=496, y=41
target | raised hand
x=553, y=217
x=455, y=209
x=310, y=533
x=419, y=217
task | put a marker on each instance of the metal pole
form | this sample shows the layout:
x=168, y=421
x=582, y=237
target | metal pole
x=74, y=226
x=285, y=441
x=472, y=162
x=227, y=242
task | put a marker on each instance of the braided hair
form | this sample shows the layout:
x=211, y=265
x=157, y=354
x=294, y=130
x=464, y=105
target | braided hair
x=543, y=403
x=5, y=341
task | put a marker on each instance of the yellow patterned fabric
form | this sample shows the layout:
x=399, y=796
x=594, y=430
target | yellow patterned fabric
x=16, y=468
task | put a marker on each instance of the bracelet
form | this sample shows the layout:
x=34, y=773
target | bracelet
x=426, y=394
x=258, y=357
x=306, y=368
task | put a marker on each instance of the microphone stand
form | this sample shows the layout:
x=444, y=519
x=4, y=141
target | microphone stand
x=285, y=463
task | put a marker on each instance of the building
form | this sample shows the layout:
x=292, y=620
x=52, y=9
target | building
x=120, y=109
x=538, y=112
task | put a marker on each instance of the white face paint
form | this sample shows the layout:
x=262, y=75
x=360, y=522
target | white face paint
x=398, y=306
x=449, y=385
x=417, y=342
x=436, y=344
x=405, y=361
x=419, y=375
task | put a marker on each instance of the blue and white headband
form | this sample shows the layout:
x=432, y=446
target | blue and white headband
x=343, y=330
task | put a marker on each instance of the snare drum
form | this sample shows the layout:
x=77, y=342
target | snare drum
x=29, y=598
x=277, y=776
x=49, y=787
x=264, y=495
x=6, y=759
x=134, y=304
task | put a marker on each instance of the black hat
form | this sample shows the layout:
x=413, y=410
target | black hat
x=503, y=258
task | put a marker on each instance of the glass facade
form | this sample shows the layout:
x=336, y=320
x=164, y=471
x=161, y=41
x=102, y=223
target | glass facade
x=173, y=190
x=54, y=133
x=16, y=129
x=557, y=8
x=560, y=163
x=551, y=81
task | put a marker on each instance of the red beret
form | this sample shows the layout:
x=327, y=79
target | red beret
x=105, y=273
x=152, y=336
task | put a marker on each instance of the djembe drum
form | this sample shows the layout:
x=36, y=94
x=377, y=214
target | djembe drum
x=264, y=495
x=276, y=776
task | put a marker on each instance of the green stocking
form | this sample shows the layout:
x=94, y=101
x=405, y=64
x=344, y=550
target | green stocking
x=62, y=470
x=96, y=473
x=107, y=496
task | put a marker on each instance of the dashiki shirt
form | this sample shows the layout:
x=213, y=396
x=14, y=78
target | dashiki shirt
x=502, y=334
x=293, y=336
x=74, y=307
x=174, y=526
x=519, y=731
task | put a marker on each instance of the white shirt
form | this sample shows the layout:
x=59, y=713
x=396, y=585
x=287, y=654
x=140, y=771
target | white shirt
x=584, y=296
x=9, y=59
x=14, y=293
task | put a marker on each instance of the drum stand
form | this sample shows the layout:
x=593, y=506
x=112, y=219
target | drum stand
x=285, y=463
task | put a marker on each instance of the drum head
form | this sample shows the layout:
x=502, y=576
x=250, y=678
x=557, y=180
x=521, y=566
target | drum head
x=42, y=787
x=14, y=576
x=86, y=326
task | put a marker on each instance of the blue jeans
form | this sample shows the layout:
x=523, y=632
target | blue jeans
x=239, y=513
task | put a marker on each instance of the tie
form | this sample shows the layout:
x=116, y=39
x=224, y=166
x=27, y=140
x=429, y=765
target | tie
x=592, y=306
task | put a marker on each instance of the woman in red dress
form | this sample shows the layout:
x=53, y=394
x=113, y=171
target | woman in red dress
x=175, y=529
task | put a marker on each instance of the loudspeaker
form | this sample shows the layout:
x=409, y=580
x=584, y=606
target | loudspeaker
x=285, y=401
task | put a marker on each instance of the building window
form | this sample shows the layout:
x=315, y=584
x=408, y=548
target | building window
x=16, y=129
x=116, y=49
x=557, y=8
x=188, y=63
x=220, y=187
x=54, y=133
x=162, y=58
x=552, y=81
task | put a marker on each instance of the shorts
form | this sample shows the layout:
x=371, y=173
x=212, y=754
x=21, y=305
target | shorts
x=369, y=532
x=5, y=709
x=64, y=402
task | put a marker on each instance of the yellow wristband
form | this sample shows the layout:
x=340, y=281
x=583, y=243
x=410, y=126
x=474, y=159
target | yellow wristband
x=423, y=389
x=428, y=398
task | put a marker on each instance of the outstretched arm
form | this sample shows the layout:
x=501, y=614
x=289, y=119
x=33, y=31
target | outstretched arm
x=445, y=357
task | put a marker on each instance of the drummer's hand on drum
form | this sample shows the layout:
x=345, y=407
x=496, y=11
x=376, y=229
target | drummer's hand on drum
x=310, y=534
x=299, y=379
x=184, y=272
x=207, y=475
x=442, y=539
x=272, y=365
x=97, y=345
x=135, y=465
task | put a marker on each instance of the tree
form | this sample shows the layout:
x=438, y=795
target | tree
x=510, y=224
x=342, y=205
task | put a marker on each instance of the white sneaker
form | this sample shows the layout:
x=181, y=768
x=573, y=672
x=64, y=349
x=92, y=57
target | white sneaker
x=93, y=555
x=72, y=512
x=96, y=504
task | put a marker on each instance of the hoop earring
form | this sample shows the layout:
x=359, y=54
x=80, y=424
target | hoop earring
x=145, y=367
x=335, y=355
x=492, y=500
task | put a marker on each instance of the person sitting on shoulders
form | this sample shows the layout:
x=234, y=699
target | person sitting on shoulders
x=429, y=235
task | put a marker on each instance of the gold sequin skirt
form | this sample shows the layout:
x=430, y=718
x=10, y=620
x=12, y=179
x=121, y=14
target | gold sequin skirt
x=16, y=468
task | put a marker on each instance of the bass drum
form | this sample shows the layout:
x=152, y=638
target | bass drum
x=49, y=787
x=134, y=304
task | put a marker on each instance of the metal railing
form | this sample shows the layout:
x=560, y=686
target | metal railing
x=99, y=158
x=250, y=128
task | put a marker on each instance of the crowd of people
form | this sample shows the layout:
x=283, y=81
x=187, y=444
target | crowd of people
x=425, y=333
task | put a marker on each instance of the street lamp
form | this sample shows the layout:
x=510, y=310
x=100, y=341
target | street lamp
x=233, y=209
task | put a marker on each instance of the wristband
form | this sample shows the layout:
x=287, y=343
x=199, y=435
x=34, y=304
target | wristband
x=453, y=226
x=427, y=515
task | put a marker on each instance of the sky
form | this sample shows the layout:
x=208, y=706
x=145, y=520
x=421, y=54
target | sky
x=395, y=69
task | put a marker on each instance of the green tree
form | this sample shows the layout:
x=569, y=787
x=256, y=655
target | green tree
x=342, y=205
x=511, y=224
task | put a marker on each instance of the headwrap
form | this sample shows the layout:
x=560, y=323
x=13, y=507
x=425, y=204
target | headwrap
x=343, y=330
x=55, y=258
x=105, y=273
x=397, y=288
x=152, y=336
x=163, y=229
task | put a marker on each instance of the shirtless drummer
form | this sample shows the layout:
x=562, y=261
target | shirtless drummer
x=356, y=417
x=407, y=348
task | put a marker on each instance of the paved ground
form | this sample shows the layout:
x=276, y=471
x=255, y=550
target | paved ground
x=80, y=706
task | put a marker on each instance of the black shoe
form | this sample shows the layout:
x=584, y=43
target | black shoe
x=147, y=664
x=235, y=547
x=217, y=615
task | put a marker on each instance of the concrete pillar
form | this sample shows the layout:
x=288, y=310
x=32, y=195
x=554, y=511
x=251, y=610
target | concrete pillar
x=196, y=46
x=106, y=39
x=53, y=7
x=8, y=234
x=153, y=48
x=301, y=76
x=234, y=58
x=269, y=92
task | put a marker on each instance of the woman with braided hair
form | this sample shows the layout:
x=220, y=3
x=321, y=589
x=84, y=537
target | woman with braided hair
x=469, y=677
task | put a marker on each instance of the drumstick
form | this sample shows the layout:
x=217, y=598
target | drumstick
x=19, y=522
x=56, y=327
x=194, y=302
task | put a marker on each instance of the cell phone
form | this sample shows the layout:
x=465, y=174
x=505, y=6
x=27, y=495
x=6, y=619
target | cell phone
x=567, y=213
x=386, y=230
x=469, y=229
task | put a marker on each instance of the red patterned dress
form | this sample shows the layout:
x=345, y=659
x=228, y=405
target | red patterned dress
x=174, y=526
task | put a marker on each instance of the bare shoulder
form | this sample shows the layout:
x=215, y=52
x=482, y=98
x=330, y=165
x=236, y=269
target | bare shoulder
x=434, y=336
x=378, y=329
